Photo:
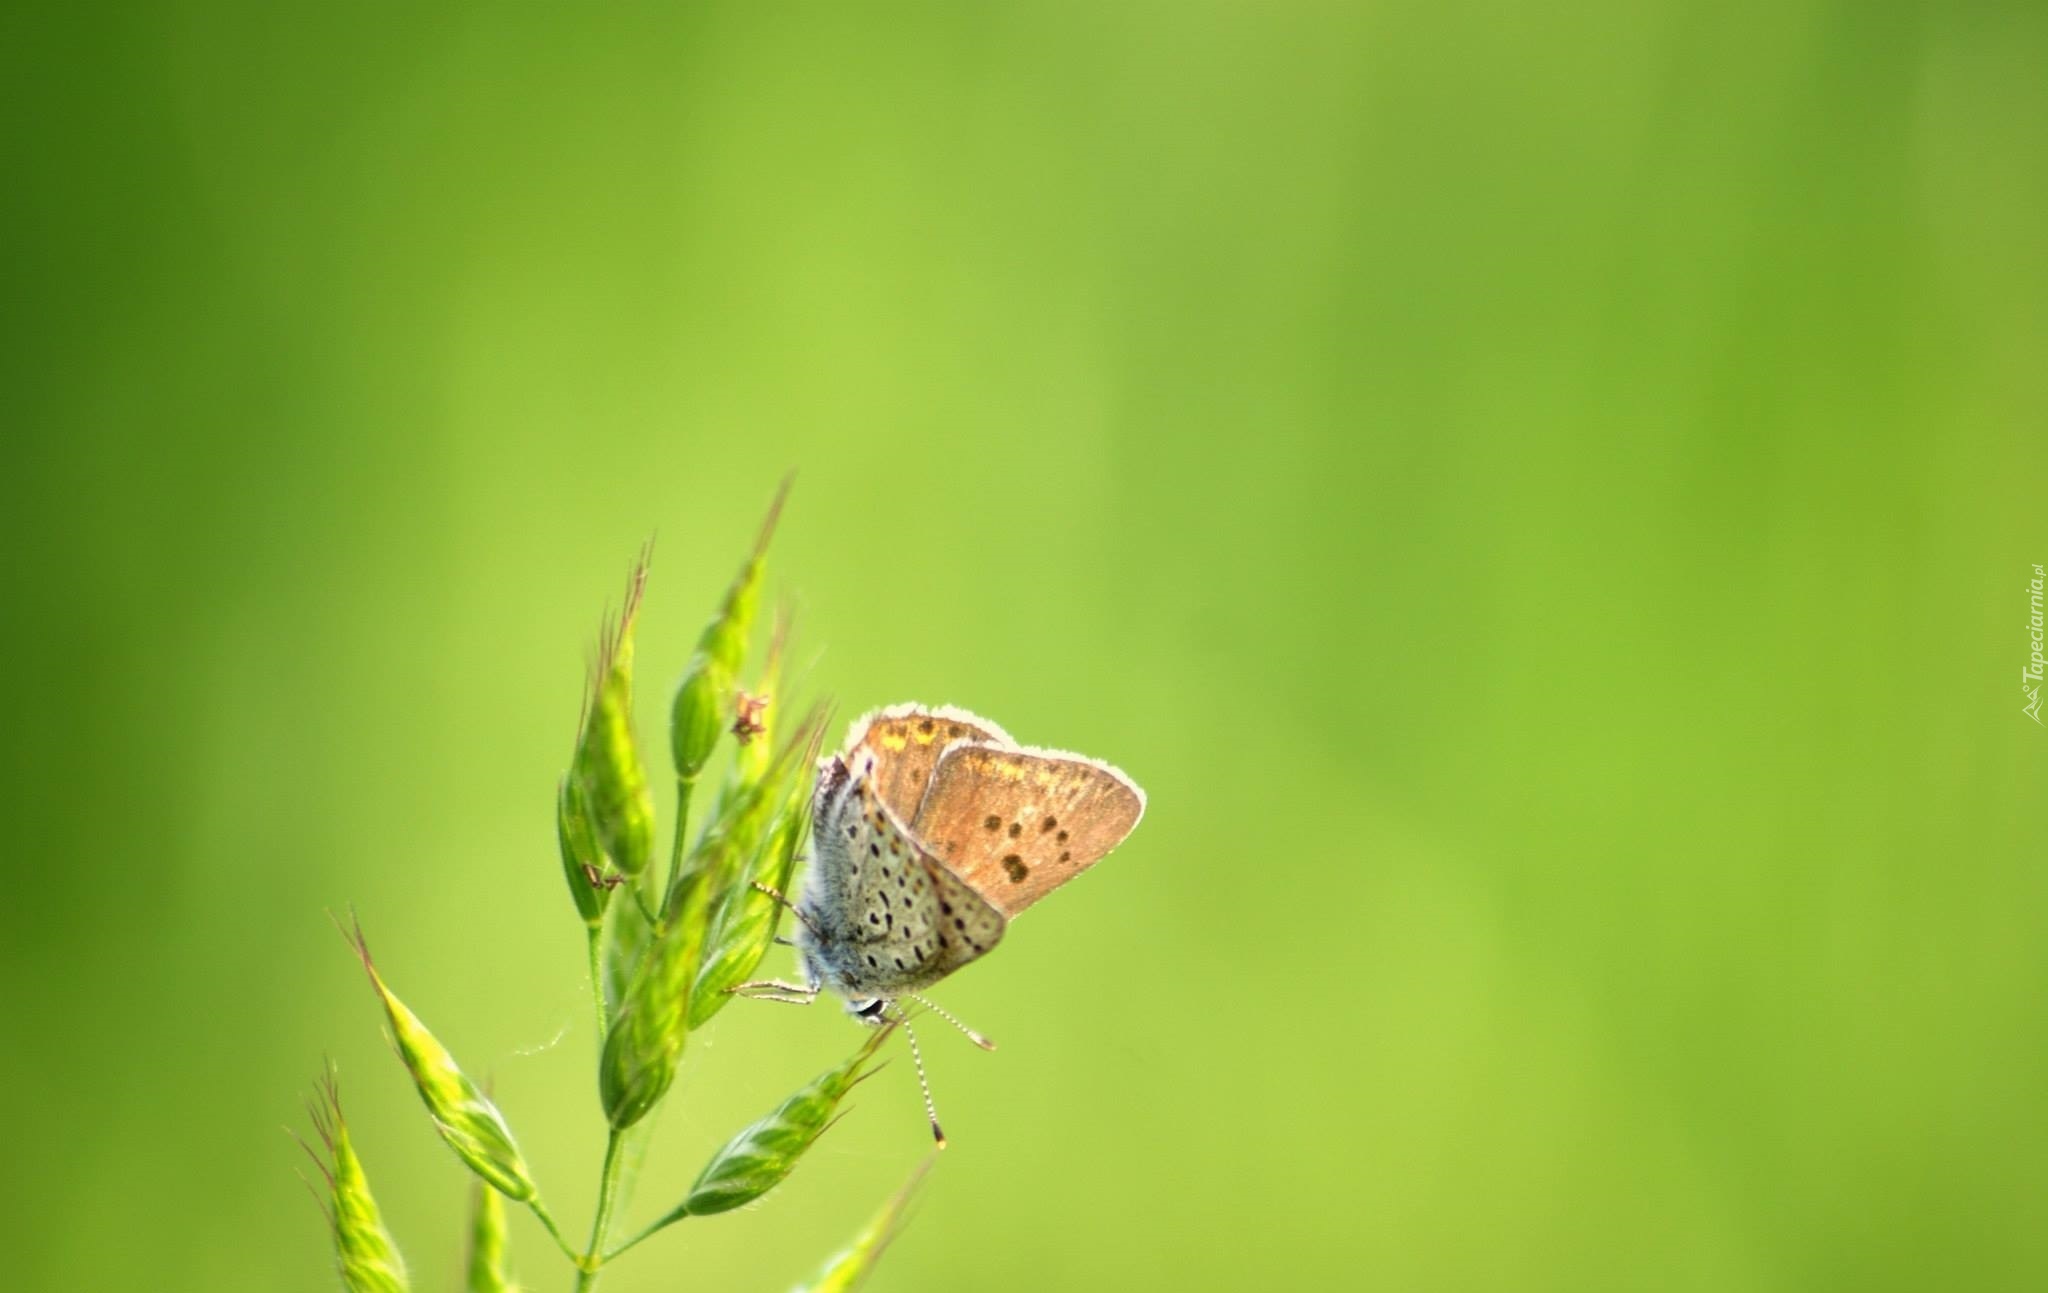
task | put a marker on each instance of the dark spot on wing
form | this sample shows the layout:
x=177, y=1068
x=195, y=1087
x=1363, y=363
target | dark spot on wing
x=1016, y=829
x=1061, y=837
x=993, y=823
x=1015, y=866
x=1048, y=824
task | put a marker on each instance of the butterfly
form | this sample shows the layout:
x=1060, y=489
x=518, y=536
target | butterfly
x=930, y=831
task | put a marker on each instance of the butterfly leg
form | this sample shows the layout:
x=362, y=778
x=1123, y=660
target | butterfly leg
x=789, y=994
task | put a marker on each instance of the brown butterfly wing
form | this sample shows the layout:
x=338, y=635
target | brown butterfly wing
x=905, y=742
x=1015, y=824
x=908, y=921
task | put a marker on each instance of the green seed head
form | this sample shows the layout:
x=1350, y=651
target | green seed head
x=461, y=1113
x=705, y=698
x=850, y=1269
x=746, y=812
x=630, y=937
x=607, y=763
x=583, y=860
x=755, y=710
x=364, y=1254
x=645, y=1041
x=745, y=927
x=756, y=1161
x=746, y=920
x=487, y=1242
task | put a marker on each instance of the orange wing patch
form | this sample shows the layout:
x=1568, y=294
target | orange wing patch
x=905, y=742
x=1015, y=824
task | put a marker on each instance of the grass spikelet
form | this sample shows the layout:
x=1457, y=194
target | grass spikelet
x=763, y=1154
x=744, y=927
x=487, y=1242
x=364, y=1255
x=607, y=763
x=583, y=858
x=461, y=1113
x=654, y=1015
x=756, y=711
x=645, y=1041
x=747, y=813
x=631, y=935
x=704, y=698
x=851, y=1268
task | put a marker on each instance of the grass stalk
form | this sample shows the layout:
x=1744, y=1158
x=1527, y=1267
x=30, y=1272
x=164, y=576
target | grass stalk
x=547, y=1222
x=596, y=942
x=662, y=957
x=684, y=787
x=588, y=1266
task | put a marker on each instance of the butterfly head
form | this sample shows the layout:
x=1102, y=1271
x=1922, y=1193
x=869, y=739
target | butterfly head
x=874, y=1010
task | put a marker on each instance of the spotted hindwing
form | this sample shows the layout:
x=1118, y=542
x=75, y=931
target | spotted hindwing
x=1015, y=824
x=907, y=921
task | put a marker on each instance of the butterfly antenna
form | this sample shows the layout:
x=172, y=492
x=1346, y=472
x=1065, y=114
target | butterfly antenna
x=972, y=1036
x=930, y=1110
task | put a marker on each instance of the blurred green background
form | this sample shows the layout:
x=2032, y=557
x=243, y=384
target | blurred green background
x=1541, y=497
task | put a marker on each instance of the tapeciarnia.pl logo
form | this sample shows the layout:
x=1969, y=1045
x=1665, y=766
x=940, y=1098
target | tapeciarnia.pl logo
x=2030, y=677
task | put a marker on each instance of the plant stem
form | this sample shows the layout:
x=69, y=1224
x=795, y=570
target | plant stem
x=597, y=979
x=568, y=1250
x=662, y=1224
x=675, y=848
x=588, y=1267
